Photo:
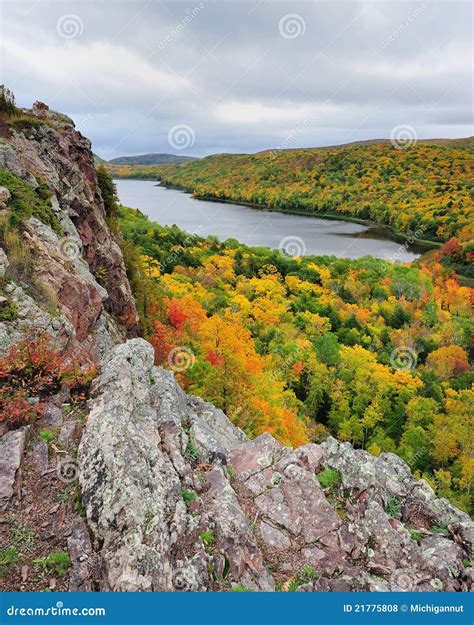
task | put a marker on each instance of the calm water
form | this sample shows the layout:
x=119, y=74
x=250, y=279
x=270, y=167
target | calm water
x=302, y=235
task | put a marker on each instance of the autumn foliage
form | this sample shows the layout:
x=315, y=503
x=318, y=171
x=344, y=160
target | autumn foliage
x=307, y=347
x=425, y=189
x=31, y=371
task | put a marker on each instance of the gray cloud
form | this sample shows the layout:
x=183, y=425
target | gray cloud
x=242, y=75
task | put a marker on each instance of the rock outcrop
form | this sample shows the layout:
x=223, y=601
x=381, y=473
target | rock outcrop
x=82, y=265
x=178, y=499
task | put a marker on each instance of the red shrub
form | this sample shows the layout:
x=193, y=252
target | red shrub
x=33, y=368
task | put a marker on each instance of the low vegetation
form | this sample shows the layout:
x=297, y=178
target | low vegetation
x=26, y=201
x=329, y=478
x=32, y=370
x=56, y=563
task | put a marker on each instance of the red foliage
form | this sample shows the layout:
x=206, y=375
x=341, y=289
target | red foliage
x=162, y=342
x=33, y=368
x=452, y=248
x=216, y=360
x=176, y=314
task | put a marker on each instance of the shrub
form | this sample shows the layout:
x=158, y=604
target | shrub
x=306, y=575
x=8, y=557
x=109, y=194
x=7, y=101
x=9, y=312
x=33, y=367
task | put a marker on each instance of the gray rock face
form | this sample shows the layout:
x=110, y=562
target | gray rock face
x=3, y=262
x=177, y=498
x=136, y=459
x=12, y=446
x=5, y=196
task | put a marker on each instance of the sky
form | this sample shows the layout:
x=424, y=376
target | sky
x=197, y=78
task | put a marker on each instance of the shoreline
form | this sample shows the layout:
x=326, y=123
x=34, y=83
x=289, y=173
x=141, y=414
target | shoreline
x=423, y=245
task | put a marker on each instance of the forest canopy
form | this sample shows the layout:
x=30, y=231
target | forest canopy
x=372, y=352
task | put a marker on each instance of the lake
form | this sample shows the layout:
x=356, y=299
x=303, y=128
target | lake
x=297, y=234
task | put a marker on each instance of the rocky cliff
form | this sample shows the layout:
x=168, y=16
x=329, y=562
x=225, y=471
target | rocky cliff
x=142, y=487
x=80, y=263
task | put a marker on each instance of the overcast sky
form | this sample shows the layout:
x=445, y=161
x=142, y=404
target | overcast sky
x=197, y=78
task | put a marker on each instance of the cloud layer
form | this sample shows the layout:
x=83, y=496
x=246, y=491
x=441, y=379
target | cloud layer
x=244, y=75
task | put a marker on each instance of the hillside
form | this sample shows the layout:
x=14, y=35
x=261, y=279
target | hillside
x=371, y=352
x=425, y=189
x=151, y=159
x=98, y=160
x=113, y=477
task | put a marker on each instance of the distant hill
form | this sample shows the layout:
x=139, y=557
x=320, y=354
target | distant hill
x=98, y=160
x=467, y=142
x=152, y=159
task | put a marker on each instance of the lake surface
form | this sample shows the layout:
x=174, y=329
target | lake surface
x=298, y=235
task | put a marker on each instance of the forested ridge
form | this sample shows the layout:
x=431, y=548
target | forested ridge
x=425, y=188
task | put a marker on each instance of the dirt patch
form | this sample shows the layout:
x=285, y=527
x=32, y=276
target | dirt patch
x=35, y=528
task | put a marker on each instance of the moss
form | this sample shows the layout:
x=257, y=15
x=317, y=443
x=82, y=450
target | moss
x=27, y=201
x=9, y=312
x=329, y=478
